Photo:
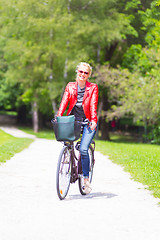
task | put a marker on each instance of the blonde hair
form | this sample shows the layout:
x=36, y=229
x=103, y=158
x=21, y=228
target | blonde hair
x=85, y=64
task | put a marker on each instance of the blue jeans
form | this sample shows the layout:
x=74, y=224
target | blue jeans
x=87, y=137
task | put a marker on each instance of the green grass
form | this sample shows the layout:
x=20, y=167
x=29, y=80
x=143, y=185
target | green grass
x=123, y=138
x=141, y=160
x=10, y=145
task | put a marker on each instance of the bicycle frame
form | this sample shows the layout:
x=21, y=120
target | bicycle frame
x=75, y=162
x=76, y=166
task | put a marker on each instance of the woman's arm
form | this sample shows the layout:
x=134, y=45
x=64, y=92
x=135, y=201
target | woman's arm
x=93, y=107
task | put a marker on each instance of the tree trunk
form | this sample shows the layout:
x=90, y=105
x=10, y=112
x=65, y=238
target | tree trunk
x=104, y=125
x=35, y=117
x=100, y=107
x=98, y=53
x=104, y=129
x=110, y=51
x=54, y=106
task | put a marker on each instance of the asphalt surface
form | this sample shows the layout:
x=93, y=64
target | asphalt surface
x=118, y=208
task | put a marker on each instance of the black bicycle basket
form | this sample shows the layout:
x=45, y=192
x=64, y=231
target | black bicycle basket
x=66, y=128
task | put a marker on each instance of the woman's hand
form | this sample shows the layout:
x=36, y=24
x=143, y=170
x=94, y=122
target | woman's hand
x=93, y=125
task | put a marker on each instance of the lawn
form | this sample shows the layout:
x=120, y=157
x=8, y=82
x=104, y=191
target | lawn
x=10, y=145
x=141, y=160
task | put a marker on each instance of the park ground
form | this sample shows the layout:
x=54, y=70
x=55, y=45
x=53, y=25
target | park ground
x=118, y=207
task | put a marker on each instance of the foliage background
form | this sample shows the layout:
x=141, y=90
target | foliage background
x=42, y=42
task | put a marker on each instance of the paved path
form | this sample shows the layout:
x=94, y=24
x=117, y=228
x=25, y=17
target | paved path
x=117, y=209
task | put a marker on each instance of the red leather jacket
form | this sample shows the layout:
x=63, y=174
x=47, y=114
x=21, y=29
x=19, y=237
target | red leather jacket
x=89, y=104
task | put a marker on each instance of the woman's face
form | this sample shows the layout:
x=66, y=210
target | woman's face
x=82, y=73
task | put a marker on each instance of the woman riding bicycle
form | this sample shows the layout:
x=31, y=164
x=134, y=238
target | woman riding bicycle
x=82, y=97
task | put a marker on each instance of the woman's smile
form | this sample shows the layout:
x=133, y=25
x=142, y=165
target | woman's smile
x=83, y=73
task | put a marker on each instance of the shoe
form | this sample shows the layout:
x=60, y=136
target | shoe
x=87, y=187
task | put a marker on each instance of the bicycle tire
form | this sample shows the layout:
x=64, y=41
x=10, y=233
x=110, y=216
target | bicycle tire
x=81, y=179
x=63, y=173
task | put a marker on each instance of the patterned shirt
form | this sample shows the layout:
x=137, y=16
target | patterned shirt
x=78, y=109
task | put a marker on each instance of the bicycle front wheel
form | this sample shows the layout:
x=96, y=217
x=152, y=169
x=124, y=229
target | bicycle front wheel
x=81, y=179
x=63, y=173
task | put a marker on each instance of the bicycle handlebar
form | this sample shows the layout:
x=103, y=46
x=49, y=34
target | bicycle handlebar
x=85, y=122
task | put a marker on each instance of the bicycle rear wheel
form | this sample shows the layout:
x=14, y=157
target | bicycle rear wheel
x=63, y=174
x=81, y=179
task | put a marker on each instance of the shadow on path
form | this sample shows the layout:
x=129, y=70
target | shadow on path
x=95, y=195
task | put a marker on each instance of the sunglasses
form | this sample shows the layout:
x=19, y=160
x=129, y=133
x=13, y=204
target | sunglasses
x=80, y=71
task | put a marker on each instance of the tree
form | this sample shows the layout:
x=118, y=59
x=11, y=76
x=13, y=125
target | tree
x=33, y=42
x=44, y=41
x=113, y=84
x=141, y=97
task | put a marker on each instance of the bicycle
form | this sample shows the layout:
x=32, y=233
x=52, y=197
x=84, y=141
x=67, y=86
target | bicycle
x=69, y=167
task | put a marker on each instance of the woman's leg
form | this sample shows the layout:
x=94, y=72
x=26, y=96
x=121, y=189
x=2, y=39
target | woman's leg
x=87, y=137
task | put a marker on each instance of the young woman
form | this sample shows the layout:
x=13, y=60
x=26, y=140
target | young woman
x=82, y=97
